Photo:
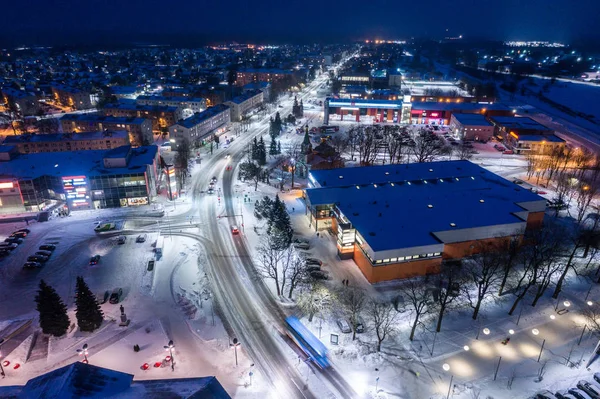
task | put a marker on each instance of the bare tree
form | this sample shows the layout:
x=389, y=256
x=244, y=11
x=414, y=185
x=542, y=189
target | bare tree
x=293, y=156
x=592, y=318
x=584, y=194
x=417, y=297
x=317, y=300
x=353, y=139
x=463, y=152
x=509, y=256
x=427, y=146
x=484, y=273
x=353, y=300
x=271, y=262
x=446, y=291
x=367, y=144
x=339, y=142
x=384, y=318
x=295, y=269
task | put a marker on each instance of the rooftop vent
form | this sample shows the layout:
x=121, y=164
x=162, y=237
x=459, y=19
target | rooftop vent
x=372, y=233
x=431, y=170
x=429, y=206
x=452, y=224
x=341, y=177
x=387, y=173
x=482, y=201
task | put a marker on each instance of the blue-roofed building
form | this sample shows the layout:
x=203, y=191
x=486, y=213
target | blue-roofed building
x=397, y=221
x=82, y=380
x=58, y=142
x=120, y=177
x=242, y=105
x=214, y=120
x=524, y=135
x=471, y=127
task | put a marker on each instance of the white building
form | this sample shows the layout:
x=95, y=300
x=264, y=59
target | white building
x=241, y=105
x=214, y=120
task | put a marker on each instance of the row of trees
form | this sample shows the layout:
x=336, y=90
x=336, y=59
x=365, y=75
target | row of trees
x=395, y=144
x=53, y=312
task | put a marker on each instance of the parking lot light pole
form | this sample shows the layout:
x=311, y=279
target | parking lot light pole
x=84, y=352
x=235, y=345
x=169, y=347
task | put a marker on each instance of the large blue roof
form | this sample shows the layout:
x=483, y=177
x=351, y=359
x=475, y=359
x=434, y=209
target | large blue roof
x=401, y=206
x=75, y=163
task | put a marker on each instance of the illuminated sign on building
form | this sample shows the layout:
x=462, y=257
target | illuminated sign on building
x=7, y=185
x=76, y=190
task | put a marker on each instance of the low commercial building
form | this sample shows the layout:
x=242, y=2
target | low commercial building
x=123, y=176
x=74, y=98
x=139, y=129
x=399, y=221
x=192, y=103
x=524, y=135
x=242, y=105
x=472, y=127
x=214, y=120
x=21, y=101
x=162, y=116
x=60, y=142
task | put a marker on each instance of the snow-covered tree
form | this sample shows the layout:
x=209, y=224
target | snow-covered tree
x=88, y=313
x=52, y=310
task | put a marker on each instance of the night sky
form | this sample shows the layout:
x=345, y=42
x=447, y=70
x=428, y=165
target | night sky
x=151, y=21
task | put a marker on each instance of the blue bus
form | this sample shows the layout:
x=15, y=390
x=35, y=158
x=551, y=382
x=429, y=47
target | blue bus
x=311, y=345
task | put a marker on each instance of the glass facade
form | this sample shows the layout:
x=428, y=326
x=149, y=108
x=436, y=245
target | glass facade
x=118, y=190
x=38, y=191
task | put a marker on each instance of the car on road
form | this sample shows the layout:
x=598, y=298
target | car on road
x=302, y=245
x=319, y=275
x=47, y=247
x=313, y=261
x=214, y=179
x=14, y=240
x=115, y=296
x=210, y=191
x=37, y=258
x=141, y=238
x=121, y=240
x=44, y=253
x=94, y=260
x=235, y=230
x=20, y=234
x=32, y=265
x=343, y=325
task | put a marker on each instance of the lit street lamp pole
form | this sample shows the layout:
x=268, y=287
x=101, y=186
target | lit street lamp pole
x=169, y=347
x=84, y=351
x=235, y=345
x=446, y=367
x=535, y=331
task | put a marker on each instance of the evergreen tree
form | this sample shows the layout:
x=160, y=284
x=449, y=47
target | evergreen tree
x=261, y=152
x=279, y=226
x=278, y=123
x=88, y=312
x=254, y=149
x=301, y=109
x=273, y=147
x=279, y=147
x=306, y=147
x=53, y=312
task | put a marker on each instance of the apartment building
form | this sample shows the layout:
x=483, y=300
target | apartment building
x=138, y=129
x=194, y=129
x=243, y=104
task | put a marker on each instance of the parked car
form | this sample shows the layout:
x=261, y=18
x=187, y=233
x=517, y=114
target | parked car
x=564, y=395
x=94, y=260
x=47, y=247
x=545, y=394
x=44, y=253
x=32, y=265
x=589, y=388
x=23, y=230
x=116, y=295
x=312, y=268
x=360, y=325
x=313, y=261
x=344, y=325
x=319, y=275
x=597, y=377
x=37, y=258
x=141, y=238
x=8, y=245
x=301, y=245
x=579, y=394
x=299, y=240
x=14, y=240
x=121, y=240
x=4, y=252
x=517, y=181
x=508, y=152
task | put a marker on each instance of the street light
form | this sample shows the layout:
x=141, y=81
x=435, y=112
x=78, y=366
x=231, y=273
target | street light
x=169, y=347
x=235, y=345
x=446, y=367
x=535, y=331
x=590, y=303
x=486, y=331
x=84, y=352
x=466, y=348
x=511, y=331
